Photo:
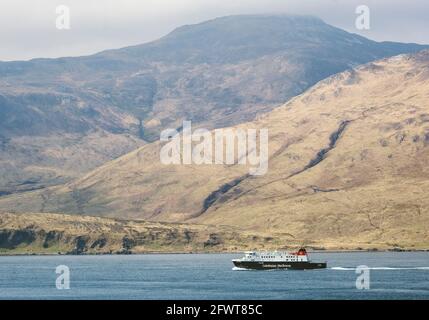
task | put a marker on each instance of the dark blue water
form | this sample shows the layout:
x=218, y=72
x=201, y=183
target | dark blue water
x=399, y=275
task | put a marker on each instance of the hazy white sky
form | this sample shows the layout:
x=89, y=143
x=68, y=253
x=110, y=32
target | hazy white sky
x=27, y=27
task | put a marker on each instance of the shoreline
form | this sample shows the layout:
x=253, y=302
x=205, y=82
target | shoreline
x=57, y=234
x=201, y=252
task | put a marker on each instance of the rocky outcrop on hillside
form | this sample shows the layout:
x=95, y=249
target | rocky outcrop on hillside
x=65, y=234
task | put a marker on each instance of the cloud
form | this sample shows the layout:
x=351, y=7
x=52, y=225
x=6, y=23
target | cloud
x=27, y=28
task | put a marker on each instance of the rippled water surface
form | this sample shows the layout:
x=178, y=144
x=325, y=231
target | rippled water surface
x=393, y=275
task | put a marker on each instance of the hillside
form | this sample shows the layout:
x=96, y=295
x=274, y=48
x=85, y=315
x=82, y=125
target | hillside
x=347, y=165
x=60, y=118
x=64, y=234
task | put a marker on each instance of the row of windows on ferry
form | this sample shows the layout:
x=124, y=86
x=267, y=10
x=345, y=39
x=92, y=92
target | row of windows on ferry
x=271, y=257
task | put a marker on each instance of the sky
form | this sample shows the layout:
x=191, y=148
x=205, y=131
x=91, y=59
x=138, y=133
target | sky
x=28, y=27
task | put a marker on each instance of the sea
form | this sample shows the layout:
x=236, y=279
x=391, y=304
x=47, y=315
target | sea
x=352, y=275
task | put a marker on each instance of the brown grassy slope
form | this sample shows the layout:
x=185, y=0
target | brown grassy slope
x=371, y=184
x=35, y=162
x=58, y=233
x=348, y=162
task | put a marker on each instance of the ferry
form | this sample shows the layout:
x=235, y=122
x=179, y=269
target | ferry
x=266, y=260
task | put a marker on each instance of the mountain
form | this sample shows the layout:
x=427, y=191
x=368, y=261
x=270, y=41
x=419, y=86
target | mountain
x=347, y=164
x=60, y=118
